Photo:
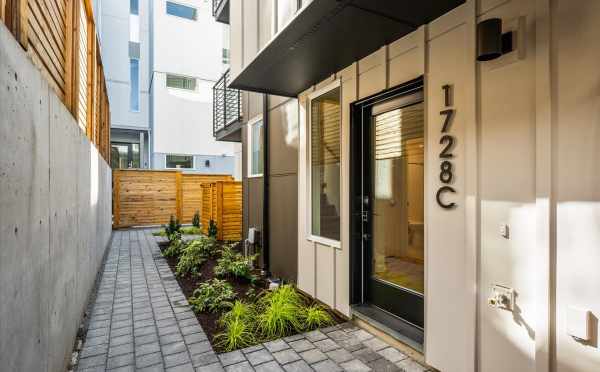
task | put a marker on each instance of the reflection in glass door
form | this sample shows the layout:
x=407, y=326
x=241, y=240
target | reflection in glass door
x=398, y=184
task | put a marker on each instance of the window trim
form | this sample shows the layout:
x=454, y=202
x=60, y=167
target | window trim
x=193, y=161
x=182, y=4
x=249, y=125
x=335, y=84
x=167, y=74
x=275, y=17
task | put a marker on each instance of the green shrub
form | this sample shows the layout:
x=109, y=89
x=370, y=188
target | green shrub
x=191, y=230
x=239, y=327
x=233, y=264
x=194, y=255
x=212, y=296
x=196, y=219
x=280, y=312
x=315, y=316
x=212, y=229
x=176, y=246
x=173, y=226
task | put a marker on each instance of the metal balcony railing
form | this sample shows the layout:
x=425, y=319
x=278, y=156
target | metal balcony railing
x=227, y=108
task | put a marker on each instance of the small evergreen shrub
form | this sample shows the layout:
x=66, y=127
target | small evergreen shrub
x=172, y=229
x=194, y=255
x=212, y=296
x=212, y=229
x=196, y=219
x=176, y=245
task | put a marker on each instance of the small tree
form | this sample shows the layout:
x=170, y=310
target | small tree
x=196, y=219
x=173, y=226
x=212, y=229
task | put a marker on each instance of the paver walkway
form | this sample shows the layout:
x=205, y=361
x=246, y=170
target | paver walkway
x=141, y=321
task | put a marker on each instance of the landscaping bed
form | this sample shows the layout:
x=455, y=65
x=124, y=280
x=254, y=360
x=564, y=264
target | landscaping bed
x=230, y=298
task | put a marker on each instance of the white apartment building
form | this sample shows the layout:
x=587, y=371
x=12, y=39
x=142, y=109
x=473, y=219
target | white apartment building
x=163, y=58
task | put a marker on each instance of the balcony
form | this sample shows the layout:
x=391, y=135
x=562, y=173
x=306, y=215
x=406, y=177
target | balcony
x=220, y=9
x=227, y=111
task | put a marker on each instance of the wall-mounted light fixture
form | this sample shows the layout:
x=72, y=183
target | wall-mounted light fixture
x=491, y=42
x=207, y=163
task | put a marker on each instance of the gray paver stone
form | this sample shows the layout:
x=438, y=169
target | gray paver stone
x=215, y=367
x=174, y=348
x=327, y=345
x=392, y=354
x=340, y=355
x=205, y=359
x=176, y=359
x=269, y=367
x=298, y=366
x=409, y=365
x=286, y=356
x=301, y=345
x=276, y=345
x=259, y=357
x=152, y=347
x=355, y=365
x=313, y=356
x=326, y=366
x=375, y=344
x=315, y=336
x=384, y=365
x=199, y=348
x=240, y=367
x=182, y=368
x=148, y=360
x=232, y=358
x=366, y=355
x=120, y=361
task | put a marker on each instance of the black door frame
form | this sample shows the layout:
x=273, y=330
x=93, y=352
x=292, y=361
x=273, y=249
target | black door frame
x=359, y=257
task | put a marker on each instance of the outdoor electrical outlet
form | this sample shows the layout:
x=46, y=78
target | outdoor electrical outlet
x=505, y=230
x=502, y=297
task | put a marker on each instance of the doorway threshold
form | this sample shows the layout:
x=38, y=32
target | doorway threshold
x=393, y=326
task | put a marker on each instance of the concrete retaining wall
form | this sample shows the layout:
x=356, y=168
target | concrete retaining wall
x=55, y=218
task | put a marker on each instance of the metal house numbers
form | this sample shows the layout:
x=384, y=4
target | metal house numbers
x=446, y=172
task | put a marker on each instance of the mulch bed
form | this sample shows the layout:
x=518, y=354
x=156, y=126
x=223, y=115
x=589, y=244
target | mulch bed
x=189, y=283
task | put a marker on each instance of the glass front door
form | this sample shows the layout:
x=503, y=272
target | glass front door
x=125, y=155
x=392, y=198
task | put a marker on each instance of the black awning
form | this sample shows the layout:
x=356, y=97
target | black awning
x=329, y=35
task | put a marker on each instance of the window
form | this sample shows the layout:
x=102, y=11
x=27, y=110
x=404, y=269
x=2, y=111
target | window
x=134, y=7
x=325, y=151
x=181, y=82
x=225, y=56
x=134, y=87
x=183, y=11
x=180, y=161
x=125, y=155
x=255, y=148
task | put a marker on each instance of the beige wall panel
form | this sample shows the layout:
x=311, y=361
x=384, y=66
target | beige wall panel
x=577, y=80
x=283, y=139
x=406, y=66
x=372, y=73
x=507, y=191
x=447, y=291
x=325, y=82
x=342, y=259
x=325, y=274
x=306, y=249
x=447, y=22
x=236, y=37
x=275, y=101
x=250, y=35
x=265, y=26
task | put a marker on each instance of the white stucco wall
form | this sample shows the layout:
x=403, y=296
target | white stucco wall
x=182, y=120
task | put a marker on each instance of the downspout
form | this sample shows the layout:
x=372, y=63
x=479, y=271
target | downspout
x=265, y=219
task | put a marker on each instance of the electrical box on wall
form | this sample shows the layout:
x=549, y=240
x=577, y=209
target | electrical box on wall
x=578, y=323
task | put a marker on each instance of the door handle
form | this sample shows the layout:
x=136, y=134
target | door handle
x=366, y=236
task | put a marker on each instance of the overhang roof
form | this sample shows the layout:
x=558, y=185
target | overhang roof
x=329, y=35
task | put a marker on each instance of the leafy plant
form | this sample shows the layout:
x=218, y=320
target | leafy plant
x=212, y=296
x=176, y=245
x=234, y=264
x=315, y=316
x=280, y=312
x=239, y=329
x=196, y=219
x=212, y=229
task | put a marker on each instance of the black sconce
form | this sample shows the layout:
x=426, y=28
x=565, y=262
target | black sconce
x=207, y=163
x=491, y=42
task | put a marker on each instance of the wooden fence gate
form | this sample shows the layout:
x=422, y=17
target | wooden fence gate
x=149, y=197
x=222, y=203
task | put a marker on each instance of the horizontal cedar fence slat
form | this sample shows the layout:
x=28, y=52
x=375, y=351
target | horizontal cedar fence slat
x=222, y=203
x=60, y=38
x=151, y=197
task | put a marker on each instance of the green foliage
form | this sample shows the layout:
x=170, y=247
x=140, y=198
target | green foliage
x=237, y=334
x=212, y=296
x=172, y=227
x=280, y=312
x=233, y=264
x=195, y=254
x=159, y=233
x=212, y=229
x=191, y=230
x=176, y=246
x=196, y=219
x=315, y=317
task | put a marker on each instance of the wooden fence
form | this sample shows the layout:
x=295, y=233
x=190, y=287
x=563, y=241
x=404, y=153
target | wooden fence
x=147, y=197
x=222, y=203
x=60, y=38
